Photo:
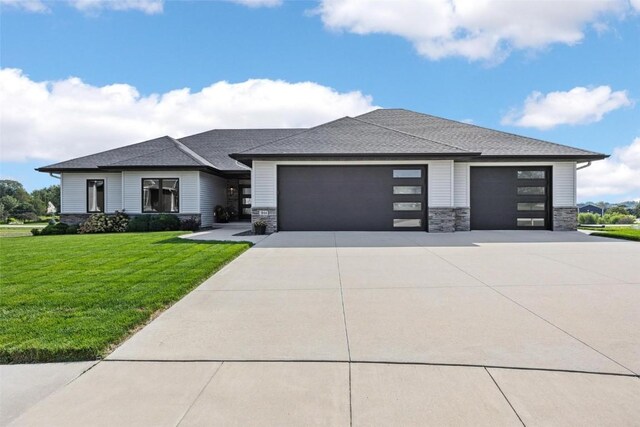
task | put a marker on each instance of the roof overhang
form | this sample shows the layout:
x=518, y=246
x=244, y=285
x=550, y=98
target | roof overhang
x=537, y=158
x=247, y=159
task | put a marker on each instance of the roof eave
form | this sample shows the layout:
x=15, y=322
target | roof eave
x=538, y=157
x=248, y=158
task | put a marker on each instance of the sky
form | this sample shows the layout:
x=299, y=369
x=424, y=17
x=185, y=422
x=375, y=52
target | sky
x=82, y=76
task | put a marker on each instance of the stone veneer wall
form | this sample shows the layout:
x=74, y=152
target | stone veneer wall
x=565, y=219
x=78, y=218
x=442, y=220
x=271, y=217
x=463, y=219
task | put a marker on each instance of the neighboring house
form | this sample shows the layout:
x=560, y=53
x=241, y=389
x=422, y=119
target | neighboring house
x=591, y=209
x=389, y=169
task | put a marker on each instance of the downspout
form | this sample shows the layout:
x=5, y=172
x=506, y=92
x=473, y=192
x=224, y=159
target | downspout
x=53, y=175
x=575, y=180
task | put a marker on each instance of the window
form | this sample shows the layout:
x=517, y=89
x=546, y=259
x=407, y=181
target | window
x=95, y=195
x=407, y=222
x=530, y=222
x=407, y=189
x=407, y=206
x=530, y=206
x=531, y=174
x=531, y=191
x=407, y=173
x=160, y=195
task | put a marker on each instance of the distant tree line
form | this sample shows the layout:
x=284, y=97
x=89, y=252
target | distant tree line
x=18, y=203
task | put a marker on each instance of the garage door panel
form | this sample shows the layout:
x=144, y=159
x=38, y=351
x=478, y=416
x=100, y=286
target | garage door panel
x=345, y=198
x=507, y=198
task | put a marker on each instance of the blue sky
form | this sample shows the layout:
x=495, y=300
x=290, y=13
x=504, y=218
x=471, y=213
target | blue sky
x=197, y=44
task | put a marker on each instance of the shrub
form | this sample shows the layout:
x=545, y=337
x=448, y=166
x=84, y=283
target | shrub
x=96, y=223
x=609, y=218
x=627, y=219
x=27, y=217
x=102, y=223
x=73, y=229
x=139, y=223
x=588, y=218
x=164, y=222
x=190, y=224
x=160, y=222
x=51, y=229
x=119, y=222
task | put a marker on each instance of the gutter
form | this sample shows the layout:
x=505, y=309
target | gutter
x=584, y=166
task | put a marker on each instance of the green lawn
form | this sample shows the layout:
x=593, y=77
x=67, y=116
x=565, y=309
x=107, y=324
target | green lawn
x=74, y=297
x=616, y=232
x=18, y=231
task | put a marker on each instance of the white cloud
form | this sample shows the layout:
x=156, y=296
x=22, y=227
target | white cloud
x=90, y=6
x=474, y=29
x=35, y=6
x=147, y=6
x=619, y=175
x=258, y=3
x=635, y=4
x=69, y=118
x=580, y=105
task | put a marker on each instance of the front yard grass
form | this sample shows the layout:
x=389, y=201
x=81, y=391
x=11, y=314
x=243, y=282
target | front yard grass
x=17, y=231
x=74, y=297
x=626, y=233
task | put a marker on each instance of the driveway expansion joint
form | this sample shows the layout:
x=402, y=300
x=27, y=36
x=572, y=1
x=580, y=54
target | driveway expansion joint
x=504, y=395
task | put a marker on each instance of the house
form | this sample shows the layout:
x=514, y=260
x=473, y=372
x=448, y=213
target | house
x=589, y=208
x=389, y=169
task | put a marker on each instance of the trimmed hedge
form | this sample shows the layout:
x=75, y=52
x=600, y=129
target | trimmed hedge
x=159, y=222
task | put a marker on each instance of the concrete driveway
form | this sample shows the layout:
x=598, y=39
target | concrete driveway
x=482, y=328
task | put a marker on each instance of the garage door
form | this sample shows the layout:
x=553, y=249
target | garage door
x=351, y=198
x=510, y=198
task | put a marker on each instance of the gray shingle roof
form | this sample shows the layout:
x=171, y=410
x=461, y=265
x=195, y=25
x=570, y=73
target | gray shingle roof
x=467, y=136
x=354, y=137
x=216, y=145
x=393, y=132
x=113, y=156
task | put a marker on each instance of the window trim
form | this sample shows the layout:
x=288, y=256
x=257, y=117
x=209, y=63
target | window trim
x=104, y=195
x=162, y=203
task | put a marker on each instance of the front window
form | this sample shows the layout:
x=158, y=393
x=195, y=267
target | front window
x=95, y=195
x=160, y=195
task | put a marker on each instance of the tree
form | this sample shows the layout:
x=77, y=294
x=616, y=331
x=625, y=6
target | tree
x=620, y=209
x=14, y=189
x=41, y=198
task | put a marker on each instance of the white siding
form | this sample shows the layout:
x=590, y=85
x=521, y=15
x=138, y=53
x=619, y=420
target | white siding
x=74, y=191
x=189, y=189
x=461, y=185
x=263, y=184
x=564, y=184
x=213, y=191
x=440, y=183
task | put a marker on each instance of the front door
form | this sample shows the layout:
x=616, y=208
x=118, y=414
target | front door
x=244, y=200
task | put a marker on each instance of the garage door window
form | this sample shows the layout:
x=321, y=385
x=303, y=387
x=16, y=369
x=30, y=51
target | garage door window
x=531, y=191
x=531, y=175
x=407, y=173
x=407, y=206
x=400, y=223
x=531, y=206
x=407, y=189
x=530, y=222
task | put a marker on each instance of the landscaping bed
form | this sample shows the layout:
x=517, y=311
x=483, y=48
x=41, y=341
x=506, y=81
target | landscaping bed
x=74, y=297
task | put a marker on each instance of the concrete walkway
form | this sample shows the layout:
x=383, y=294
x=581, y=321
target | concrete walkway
x=22, y=386
x=482, y=328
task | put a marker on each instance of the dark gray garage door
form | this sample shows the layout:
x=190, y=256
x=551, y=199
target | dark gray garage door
x=351, y=198
x=510, y=198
